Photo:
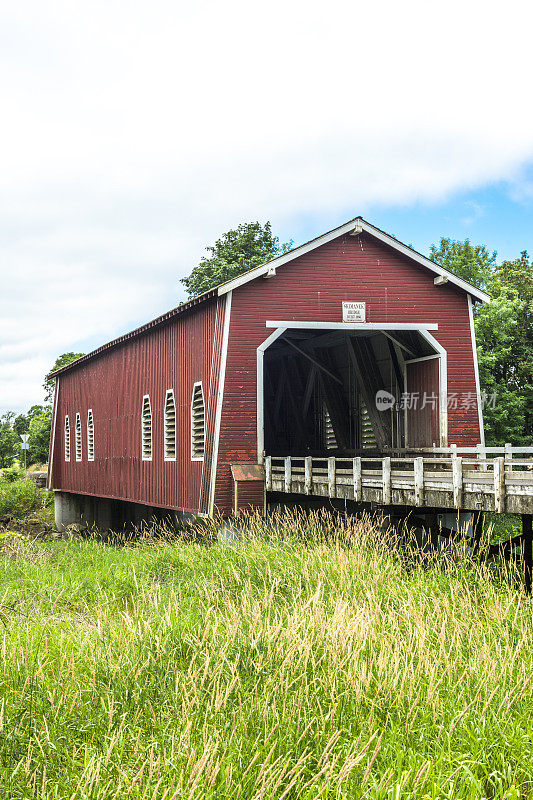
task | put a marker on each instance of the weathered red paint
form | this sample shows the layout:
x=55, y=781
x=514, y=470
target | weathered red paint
x=423, y=403
x=170, y=356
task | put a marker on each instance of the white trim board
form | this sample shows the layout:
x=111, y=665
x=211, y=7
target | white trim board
x=355, y=227
x=354, y=326
x=220, y=397
x=260, y=392
x=423, y=329
x=476, y=372
x=208, y=412
x=443, y=385
x=53, y=439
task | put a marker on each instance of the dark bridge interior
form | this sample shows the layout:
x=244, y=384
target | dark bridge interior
x=320, y=391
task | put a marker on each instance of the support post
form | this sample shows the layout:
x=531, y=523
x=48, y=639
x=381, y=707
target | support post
x=308, y=474
x=457, y=477
x=331, y=476
x=268, y=473
x=527, y=534
x=287, y=474
x=386, y=474
x=419, y=481
x=357, y=481
x=477, y=524
x=499, y=485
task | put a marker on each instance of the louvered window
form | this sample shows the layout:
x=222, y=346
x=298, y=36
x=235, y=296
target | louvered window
x=78, y=438
x=170, y=426
x=368, y=440
x=329, y=433
x=146, y=423
x=67, y=439
x=90, y=435
x=197, y=423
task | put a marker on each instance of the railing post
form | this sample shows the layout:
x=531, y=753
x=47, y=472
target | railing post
x=457, y=477
x=386, y=481
x=481, y=453
x=357, y=482
x=331, y=476
x=268, y=473
x=287, y=474
x=508, y=454
x=419, y=481
x=308, y=482
x=499, y=484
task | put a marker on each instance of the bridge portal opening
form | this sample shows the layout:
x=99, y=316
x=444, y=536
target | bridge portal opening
x=343, y=393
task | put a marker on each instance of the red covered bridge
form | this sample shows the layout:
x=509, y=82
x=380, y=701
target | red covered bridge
x=352, y=349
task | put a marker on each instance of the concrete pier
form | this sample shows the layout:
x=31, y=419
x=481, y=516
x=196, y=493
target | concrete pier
x=107, y=514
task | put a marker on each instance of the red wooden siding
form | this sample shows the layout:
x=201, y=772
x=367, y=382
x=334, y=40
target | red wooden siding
x=250, y=496
x=423, y=403
x=312, y=287
x=172, y=356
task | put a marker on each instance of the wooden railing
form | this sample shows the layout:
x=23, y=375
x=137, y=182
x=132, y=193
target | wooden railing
x=454, y=477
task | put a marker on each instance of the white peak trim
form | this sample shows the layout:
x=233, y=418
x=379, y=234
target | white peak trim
x=353, y=227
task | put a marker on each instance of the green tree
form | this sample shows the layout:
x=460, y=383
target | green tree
x=21, y=423
x=39, y=433
x=9, y=440
x=237, y=251
x=50, y=383
x=472, y=263
x=504, y=332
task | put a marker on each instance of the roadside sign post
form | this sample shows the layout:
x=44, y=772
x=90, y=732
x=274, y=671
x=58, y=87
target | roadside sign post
x=25, y=437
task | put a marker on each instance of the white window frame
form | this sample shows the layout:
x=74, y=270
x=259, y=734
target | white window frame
x=90, y=435
x=143, y=457
x=78, y=438
x=67, y=438
x=194, y=388
x=169, y=395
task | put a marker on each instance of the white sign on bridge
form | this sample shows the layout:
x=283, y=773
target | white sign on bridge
x=354, y=311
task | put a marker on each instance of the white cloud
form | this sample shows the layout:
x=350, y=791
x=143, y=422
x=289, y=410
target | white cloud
x=135, y=134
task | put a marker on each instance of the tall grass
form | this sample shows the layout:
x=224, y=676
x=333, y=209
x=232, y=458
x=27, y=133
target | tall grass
x=306, y=660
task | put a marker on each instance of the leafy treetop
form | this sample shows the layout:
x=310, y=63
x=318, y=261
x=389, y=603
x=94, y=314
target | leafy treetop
x=472, y=263
x=237, y=251
x=504, y=336
x=61, y=361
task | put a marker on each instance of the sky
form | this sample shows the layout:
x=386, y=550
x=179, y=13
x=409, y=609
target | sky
x=134, y=134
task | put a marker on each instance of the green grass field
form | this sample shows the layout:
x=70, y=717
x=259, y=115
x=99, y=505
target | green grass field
x=314, y=663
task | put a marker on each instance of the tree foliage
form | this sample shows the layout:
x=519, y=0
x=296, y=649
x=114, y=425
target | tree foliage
x=504, y=335
x=472, y=263
x=9, y=441
x=249, y=245
x=61, y=361
x=39, y=436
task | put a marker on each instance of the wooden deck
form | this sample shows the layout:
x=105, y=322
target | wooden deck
x=472, y=479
